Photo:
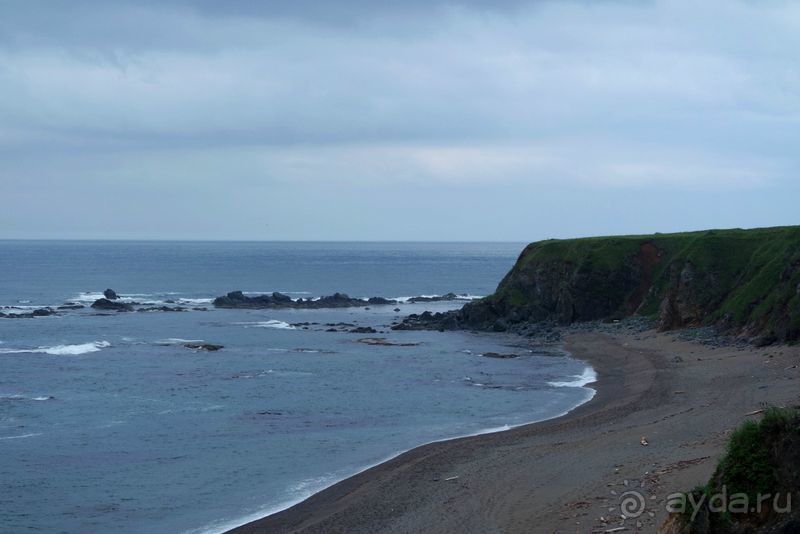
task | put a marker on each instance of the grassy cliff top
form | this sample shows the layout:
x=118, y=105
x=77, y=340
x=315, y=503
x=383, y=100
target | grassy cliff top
x=739, y=277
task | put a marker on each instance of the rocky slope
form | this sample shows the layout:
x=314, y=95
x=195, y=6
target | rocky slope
x=745, y=282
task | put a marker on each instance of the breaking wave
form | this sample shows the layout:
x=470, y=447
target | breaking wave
x=62, y=350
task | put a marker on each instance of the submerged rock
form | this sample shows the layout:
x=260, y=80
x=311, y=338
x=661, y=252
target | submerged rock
x=499, y=356
x=364, y=330
x=210, y=347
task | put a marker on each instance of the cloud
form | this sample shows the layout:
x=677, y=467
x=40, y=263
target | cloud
x=605, y=95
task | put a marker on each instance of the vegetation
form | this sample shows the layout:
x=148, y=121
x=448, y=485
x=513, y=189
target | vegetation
x=746, y=280
x=760, y=460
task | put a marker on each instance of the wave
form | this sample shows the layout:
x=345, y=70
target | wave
x=62, y=350
x=21, y=436
x=195, y=301
x=24, y=398
x=587, y=377
x=465, y=297
x=177, y=341
x=272, y=323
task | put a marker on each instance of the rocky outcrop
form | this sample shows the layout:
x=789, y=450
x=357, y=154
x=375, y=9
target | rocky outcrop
x=112, y=305
x=110, y=294
x=745, y=282
x=237, y=299
x=39, y=312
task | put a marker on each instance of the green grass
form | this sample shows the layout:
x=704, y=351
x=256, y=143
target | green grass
x=749, y=465
x=744, y=277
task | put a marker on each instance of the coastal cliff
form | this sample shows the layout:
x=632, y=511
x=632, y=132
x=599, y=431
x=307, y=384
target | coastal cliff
x=745, y=282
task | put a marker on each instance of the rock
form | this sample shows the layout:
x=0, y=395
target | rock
x=382, y=341
x=43, y=312
x=210, y=347
x=500, y=326
x=236, y=299
x=437, y=298
x=499, y=356
x=377, y=301
x=162, y=309
x=364, y=330
x=110, y=294
x=106, y=304
x=281, y=298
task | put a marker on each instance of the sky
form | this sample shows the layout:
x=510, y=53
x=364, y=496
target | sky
x=470, y=120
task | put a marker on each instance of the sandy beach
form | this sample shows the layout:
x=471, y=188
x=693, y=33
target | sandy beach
x=568, y=474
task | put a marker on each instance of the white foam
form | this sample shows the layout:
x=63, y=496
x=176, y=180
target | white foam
x=194, y=301
x=272, y=323
x=23, y=397
x=405, y=300
x=177, y=341
x=21, y=436
x=62, y=350
x=88, y=297
x=587, y=377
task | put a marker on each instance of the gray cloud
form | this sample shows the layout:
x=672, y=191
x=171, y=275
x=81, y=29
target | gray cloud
x=209, y=105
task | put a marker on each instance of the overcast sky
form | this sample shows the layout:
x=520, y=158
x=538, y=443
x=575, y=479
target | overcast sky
x=362, y=120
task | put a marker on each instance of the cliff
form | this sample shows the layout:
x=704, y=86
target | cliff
x=745, y=282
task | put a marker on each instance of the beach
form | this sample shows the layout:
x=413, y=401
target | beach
x=569, y=474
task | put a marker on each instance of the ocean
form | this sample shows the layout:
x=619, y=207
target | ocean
x=109, y=423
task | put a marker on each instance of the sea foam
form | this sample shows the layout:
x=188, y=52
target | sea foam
x=272, y=323
x=587, y=377
x=62, y=350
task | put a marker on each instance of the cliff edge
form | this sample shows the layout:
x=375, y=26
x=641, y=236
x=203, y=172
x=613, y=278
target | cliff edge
x=745, y=282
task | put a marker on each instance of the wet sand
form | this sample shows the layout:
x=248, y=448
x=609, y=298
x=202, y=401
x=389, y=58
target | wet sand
x=568, y=474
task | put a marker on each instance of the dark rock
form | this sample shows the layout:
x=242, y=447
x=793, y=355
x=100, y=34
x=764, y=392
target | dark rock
x=364, y=330
x=381, y=341
x=438, y=298
x=43, y=312
x=110, y=294
x=281, y=298
x=106, y=304
x=162, y=309
x=377, y=301
x=499, y=356
x=204, y=346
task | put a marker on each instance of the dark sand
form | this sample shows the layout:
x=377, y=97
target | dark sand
x=567, y=474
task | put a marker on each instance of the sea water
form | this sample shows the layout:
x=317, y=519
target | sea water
x=109, y=423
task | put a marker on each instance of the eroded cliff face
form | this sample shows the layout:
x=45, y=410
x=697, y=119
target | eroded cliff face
x=743, y=281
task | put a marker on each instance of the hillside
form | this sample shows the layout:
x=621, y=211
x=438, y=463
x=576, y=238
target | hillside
x=745, y=282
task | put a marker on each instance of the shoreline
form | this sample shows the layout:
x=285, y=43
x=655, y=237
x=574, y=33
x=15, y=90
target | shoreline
x=566, y=474
x=595, y=386
x=580, y=382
